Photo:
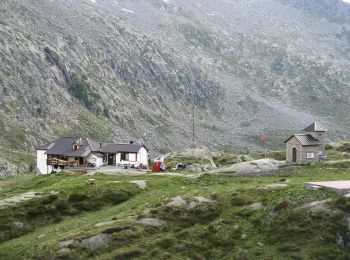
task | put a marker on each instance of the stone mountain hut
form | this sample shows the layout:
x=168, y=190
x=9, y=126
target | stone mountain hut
x=309, y=147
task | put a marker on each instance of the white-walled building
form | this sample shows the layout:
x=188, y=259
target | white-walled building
x=84, y=152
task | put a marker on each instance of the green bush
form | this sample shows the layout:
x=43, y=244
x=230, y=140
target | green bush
x=129, y=254
x=225, y=159
x=345, y=147
x=171, y=162
x=240, y=199
x=186, y=217
x=82, y=91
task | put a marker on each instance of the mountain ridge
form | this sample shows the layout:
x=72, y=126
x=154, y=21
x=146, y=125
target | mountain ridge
x=94, y=69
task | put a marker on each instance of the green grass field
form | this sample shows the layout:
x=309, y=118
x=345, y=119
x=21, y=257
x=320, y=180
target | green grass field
x=225, y=229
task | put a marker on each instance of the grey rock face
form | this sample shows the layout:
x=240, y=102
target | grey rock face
x=151, y=222
x=95, y=69
x=96, y=241
x=316, y=206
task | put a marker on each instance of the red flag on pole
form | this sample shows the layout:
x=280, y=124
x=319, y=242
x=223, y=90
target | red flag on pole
x=263, y=138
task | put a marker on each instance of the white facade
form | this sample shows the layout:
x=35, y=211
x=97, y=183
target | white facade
x=141, y=157
x=41, y=162
x=97, y=160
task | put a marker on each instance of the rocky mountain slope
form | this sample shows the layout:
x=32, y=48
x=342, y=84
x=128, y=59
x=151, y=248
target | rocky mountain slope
x=115, y=70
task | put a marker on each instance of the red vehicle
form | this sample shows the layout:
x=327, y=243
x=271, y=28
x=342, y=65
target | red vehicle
x=156, y=167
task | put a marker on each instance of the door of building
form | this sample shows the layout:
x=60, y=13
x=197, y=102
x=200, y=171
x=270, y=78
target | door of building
x=294, y=155
x=110, y=159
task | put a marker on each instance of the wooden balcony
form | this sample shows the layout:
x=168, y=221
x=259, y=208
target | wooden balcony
x=57, y=162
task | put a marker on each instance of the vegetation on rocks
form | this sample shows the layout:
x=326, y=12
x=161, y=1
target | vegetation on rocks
x=236, y=217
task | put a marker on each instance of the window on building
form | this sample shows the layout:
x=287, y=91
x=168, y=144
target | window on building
x=75, y=147
x=310, y=155
x=124, y=157
x=105, y=158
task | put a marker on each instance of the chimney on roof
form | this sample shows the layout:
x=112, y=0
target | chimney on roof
x=100, y=146
x=131, y=142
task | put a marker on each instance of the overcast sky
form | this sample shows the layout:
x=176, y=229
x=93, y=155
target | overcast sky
x=347, y=1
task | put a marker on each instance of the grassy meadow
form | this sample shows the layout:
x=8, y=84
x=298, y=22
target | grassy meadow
x=225, y=229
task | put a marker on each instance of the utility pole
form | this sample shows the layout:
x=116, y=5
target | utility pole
x=193, y=125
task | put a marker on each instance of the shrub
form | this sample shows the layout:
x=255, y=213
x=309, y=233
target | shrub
x=82, y=91
x=345, y=147
x=225, y=159
x=240, y=199
x=129, y=254
x=186, y=217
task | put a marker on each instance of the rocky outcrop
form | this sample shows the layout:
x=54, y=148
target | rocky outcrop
x=256, y=167
x=90, y=68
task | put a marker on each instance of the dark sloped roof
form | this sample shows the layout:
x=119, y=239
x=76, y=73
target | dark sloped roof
x=305, y=140
x=117, y=148
x=315, y=127
x=45, y=146
x=64, y=146
x=98, y=154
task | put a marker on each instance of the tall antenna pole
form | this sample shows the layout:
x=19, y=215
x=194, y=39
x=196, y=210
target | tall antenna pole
x=193, y=125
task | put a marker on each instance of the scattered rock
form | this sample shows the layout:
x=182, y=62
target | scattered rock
x=339, y=240
x=64, y=251
x=177, y=202
x=243, y=236
x=276, y=185
x=312, y=187
x=256, y=206
x=316, y=206
x=155, y=222
x=19, y=224
x=20, y=198
x=252, y=167
x=180, y=202
x=105, y=223
x=141, y=183
x=97, y=241
x=203, y=200
x=67, y=243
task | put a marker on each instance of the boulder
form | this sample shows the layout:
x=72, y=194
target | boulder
x=316, y=206
x=141, y=183
x=97, y=241
x=177, y=202
x=252, y=167
x=19, y=224
x=155, y=222
x=180, y=202
x=256, y=206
